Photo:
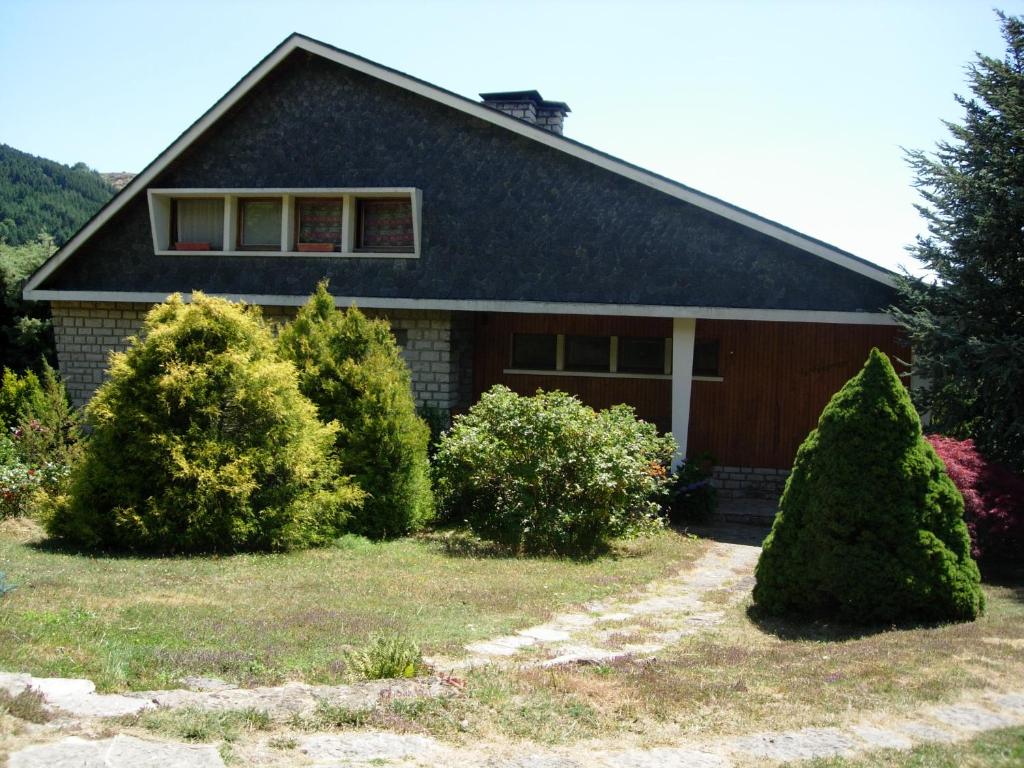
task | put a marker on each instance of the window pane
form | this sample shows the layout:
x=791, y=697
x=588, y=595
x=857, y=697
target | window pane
x=535, y=351
x=319, y=221
x=587, y=353
x=641, y=355
x=199, y=222
x=261, y=223
x=705, y=358
x=385, y=225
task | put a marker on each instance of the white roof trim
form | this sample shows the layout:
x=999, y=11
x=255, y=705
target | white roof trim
x=520, y=307
x=422, y=88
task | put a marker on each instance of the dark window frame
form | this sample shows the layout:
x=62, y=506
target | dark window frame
x=518, y=364
x=239, y=241
x=361, y=203
x=716, y=372
x=297, y=226
x=586, y=368
x=659, y=369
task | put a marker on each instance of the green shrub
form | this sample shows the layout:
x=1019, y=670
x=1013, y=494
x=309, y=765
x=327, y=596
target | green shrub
x=349, y=366
x=202, y=442
x=18, y=483
x=385, y=656
x=20, y=397
x=548, y=474
x=870, y=528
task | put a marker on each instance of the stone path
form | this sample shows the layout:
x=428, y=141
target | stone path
x=639, y=625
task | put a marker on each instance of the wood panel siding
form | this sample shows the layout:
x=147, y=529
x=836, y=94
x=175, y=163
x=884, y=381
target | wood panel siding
x=493, y=353
x=776, y=379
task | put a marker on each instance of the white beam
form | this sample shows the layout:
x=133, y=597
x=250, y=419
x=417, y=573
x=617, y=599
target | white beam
x=682, y=377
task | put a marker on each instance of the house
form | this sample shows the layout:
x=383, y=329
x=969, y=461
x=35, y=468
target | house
x=501, y=251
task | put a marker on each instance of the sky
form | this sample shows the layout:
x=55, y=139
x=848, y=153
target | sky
x=798, y=111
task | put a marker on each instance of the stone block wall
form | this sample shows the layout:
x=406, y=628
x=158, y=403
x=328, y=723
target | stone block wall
x=87, y=332
x=749, y=482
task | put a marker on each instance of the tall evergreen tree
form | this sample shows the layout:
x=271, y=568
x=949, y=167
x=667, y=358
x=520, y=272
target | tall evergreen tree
x=967, y=328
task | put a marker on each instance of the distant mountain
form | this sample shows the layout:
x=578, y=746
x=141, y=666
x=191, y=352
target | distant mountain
x=118, y=179
x=40, y=195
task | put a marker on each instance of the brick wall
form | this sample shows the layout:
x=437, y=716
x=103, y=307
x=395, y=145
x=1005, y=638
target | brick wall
x=87, y=332
x=749, y=482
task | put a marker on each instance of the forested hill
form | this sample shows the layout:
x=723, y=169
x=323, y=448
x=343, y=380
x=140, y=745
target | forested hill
x=40, y=195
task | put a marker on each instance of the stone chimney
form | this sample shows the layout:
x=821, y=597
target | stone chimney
x=530, y=107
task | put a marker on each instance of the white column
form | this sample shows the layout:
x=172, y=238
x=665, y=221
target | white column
x=682, y=377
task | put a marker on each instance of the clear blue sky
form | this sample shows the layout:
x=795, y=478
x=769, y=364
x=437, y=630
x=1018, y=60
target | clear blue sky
x=794, y=110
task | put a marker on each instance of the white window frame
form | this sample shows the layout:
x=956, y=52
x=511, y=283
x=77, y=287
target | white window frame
x=161, y=201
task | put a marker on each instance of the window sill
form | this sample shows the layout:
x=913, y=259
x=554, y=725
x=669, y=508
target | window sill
x=601, y=374
x=301, y=254
x=588, y=374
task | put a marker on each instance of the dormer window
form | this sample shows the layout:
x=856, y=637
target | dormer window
x=385, y=226
x=363, y=223
x=259, y=224
x=198, y=224
x=319, y=223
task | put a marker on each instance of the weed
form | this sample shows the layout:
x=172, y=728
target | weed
x=386, y=656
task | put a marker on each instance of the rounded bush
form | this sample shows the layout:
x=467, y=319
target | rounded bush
x=350, y=367
x=870, y=528
x=202, y=442
x=549, y=474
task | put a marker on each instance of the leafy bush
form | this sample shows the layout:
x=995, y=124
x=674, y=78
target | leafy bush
x=349, y=366
x=21, y=397
x=385, y=656
x=18, y=482
x=548, y=474
x=870, y=528
x=202, y=442
x=993, y=500
x=692, y=497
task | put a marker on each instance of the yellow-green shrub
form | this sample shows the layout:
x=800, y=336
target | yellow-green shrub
x=202, y=442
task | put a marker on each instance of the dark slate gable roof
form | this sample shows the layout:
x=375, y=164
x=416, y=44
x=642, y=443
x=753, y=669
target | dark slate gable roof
x=508, y=215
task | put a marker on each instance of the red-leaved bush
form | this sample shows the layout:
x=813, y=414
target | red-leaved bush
x=993, y=500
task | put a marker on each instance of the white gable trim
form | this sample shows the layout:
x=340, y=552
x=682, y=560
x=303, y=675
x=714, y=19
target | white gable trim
x=519, y=307
x=620, y=167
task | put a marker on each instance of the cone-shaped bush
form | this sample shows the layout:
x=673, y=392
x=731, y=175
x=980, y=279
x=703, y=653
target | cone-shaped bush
x=202, y=442
x=870, y=528
x=349, y=366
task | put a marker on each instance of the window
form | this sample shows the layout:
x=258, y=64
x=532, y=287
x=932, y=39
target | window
x=364, y=222
x=259, y=224
x=198, y=224
x=641, y=354
x=385, y=226
x=705, y=358
x=534, y=351
x=318, y=223
x=588, y=353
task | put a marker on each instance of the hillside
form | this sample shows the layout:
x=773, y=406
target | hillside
x=40, y=195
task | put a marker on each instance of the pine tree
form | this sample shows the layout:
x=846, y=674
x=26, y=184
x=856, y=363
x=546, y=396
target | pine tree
x=967, y=329
x=870, y=528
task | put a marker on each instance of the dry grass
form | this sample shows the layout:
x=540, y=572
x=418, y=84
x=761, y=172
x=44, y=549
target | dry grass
x=741, y=677
x=141, y=623
x=997, y=749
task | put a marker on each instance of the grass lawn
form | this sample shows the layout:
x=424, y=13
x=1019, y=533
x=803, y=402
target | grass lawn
x=132, y=623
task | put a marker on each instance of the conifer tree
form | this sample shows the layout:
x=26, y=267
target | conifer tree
x=202, y=442
x=967, y=329
x=870, y=528
x=350, y=367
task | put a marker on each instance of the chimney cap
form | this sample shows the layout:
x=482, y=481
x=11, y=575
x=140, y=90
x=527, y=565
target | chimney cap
x=532, y=95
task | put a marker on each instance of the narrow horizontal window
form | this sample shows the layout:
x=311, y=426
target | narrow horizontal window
x=641, y=354
x=318, y=223
x=705, y=358
x=587, y=353
x=259, y=224
x=534, y=351
x=385, y=226
x=198, y=224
